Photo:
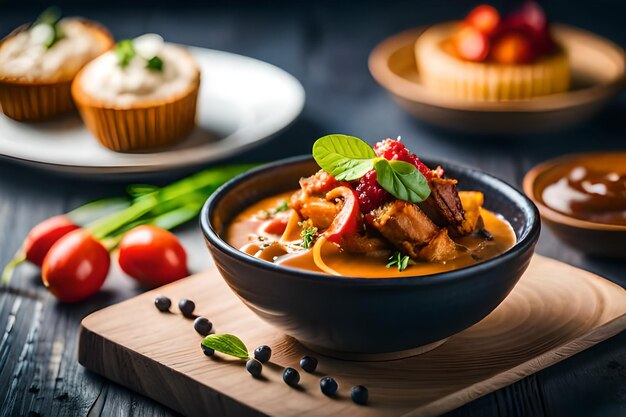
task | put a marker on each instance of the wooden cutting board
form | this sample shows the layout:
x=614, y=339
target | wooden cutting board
x=554, y=312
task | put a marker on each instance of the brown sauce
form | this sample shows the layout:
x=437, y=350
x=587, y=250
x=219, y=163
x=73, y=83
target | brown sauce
x=243, y=234
x=589, y=192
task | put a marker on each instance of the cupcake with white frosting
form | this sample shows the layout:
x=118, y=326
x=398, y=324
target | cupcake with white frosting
x=140, y=95
x=38, y=63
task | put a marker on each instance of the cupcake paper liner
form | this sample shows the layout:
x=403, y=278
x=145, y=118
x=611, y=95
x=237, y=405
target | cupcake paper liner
x=30, y=102
x=139, y=127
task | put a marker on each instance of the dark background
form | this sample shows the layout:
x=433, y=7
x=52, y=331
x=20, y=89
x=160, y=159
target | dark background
x=325, y=45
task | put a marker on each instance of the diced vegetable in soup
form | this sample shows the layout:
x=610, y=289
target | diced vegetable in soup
x=376, y=213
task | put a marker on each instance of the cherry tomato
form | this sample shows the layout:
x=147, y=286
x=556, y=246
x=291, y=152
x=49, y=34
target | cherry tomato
x=532, y=21
x=512, y=48
x=44, y=235
x=153, y=256
x=471, y=43
x=484, y=18
x=75, y=267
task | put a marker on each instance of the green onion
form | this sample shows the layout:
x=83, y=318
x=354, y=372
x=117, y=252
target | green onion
x=207, y=180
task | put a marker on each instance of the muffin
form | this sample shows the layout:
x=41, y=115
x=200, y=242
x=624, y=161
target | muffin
x=39, y=61
x=141, y=95
x=489, y=58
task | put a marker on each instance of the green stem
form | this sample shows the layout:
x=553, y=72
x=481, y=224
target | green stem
x=167, y=221
x=139, y=190
x=212, y=177
x=7, y=273
x=96, y=209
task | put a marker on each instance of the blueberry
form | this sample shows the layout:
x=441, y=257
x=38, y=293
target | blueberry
x=202, y=326
x=263, y=353
x=187, y=307
x=207, y=350
x=291, y=377
x=308, y=363
x=162, y=303
x=328, y=386
x=359, y=394
x=254, y=367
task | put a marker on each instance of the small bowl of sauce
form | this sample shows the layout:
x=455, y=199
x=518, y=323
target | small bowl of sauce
x=582, y=199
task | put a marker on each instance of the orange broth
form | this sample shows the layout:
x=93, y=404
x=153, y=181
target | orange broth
x=244, y=229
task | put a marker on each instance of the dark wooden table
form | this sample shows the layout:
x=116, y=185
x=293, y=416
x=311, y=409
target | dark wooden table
x=326, y=47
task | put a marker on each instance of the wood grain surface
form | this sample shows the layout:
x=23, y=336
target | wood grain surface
x=554, y=312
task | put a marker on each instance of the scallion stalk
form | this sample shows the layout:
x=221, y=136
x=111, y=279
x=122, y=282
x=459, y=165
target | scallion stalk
x=210, y=178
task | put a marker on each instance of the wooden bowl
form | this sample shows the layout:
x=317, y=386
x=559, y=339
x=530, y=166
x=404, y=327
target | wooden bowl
x=607, y=240
x=597, y=67
x=367, y=318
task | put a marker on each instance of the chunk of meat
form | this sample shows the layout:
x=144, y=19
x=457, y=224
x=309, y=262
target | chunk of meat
x=440, y=249
x=404, y=225
x=319, y=183
x=370, y=246
x=472, y=202
x=320, y=211
x=297, y=199
x=444, y=207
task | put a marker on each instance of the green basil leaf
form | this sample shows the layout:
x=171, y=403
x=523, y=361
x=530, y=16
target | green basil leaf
x=402, y=180
x=227, y=344
x=345, y=157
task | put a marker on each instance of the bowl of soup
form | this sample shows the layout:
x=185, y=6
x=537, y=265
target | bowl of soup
x=373, y=293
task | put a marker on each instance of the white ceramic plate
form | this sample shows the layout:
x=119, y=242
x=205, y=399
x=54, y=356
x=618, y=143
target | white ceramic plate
x=242, y=101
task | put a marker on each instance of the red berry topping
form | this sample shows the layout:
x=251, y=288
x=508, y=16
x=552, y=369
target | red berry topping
x=394, y=150
x=471, y=44
x=484, y=18
x=513, y=48
x=371, y=194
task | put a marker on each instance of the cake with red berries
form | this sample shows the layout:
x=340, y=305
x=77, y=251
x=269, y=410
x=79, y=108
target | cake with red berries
x=493, y=57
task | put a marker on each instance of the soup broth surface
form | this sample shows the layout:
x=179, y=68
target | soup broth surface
x=244, y=231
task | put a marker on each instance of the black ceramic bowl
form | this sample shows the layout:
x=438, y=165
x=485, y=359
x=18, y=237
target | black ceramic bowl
x=357, y=317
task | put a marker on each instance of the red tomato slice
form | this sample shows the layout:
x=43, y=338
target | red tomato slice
x=346, y=221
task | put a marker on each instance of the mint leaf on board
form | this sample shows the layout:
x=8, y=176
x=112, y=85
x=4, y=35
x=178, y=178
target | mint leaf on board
x=402, y=180
x=125, y=52
x=227, y=344
x=345, y=157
